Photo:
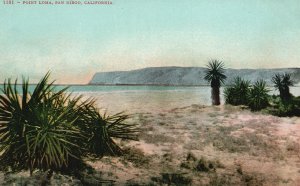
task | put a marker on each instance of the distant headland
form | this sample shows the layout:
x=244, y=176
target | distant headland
x=184, y=76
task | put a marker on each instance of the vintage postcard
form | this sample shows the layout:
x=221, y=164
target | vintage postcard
x=150, y=92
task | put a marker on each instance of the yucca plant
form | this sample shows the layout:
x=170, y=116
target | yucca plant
x=37, y=132
x=277, y=81
x=215, y=75
x=282, y=83
x=53, y=130
x=238, y=92
x=102, y=129
x=258, y=96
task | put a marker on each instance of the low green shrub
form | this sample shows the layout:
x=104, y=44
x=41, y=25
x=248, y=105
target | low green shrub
x=238, y=92
x=242, y=93
x=285, y=108
x=258, y=96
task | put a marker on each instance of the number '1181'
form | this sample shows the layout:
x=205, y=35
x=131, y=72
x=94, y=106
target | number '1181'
x=8, y=2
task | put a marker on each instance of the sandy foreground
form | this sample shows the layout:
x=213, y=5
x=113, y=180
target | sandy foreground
x=206, y=145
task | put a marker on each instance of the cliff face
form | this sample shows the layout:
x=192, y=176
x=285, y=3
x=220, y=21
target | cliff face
x=184, y=76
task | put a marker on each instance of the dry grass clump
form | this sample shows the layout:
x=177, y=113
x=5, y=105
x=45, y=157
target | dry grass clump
x=222, y=138
x=293, y=147
x=202, y=165
x=136, y=156
x=173, y=179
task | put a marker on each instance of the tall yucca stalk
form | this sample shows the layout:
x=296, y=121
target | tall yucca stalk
x=215, y=75
x=282, y=83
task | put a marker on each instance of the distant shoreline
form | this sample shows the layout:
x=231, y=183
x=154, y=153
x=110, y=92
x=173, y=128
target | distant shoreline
x=162, y=85
x=158, y=85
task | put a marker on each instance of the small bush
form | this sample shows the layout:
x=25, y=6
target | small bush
x=173, y=178
x=136, y=156
x=282, y=108
x=242, y=93
x=190, y=162
x=191, y=157
x=202, y=165
x=238, y=92
x=258, y=96
x=205, y=165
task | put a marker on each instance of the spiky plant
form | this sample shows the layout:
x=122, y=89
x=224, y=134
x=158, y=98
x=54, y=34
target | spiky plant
x=258, y=96
x=282, y=83
x=215, y=75
x=101, y=130
x=277, y=81
x=238, y=92
x=52, y=130
x=229, y=95
x=36, y=131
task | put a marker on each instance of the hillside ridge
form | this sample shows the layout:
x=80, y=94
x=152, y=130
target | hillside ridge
x=184, y=76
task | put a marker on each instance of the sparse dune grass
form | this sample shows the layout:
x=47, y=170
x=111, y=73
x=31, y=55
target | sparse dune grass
x=229, y=146
x=157, y=138
x=210, y=146
x=219, y=145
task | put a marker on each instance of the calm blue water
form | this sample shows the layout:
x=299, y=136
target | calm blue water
x=140, y=88
x=103, y=88
x=146, y=98
x=109, y=88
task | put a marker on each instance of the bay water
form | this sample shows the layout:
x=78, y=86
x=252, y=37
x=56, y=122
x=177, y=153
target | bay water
x=134, y=99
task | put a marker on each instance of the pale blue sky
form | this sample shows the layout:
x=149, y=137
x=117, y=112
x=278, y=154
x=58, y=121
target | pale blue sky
x=76, y=41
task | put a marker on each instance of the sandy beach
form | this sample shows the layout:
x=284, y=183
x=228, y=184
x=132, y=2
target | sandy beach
x=205, y=145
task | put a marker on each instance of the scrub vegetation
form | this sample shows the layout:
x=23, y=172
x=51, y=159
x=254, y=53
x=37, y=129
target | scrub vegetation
x=51, y=130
